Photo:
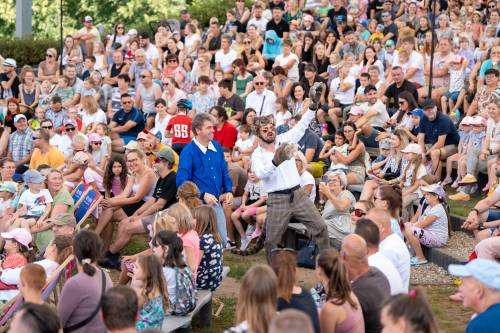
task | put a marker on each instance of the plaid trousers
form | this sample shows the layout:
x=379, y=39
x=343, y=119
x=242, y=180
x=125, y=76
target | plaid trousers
x=279, y=212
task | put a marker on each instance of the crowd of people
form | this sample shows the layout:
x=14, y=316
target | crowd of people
x=348, y=117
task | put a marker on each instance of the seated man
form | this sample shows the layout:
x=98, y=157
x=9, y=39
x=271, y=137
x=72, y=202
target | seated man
x=44, y=153
x=163, y=197
x=438, y=137
x=125, y=124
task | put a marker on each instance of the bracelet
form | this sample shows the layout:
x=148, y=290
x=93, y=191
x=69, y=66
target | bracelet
x=475, y=210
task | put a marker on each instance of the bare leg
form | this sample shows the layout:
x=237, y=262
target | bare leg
x=368, y=189
x=333, y=118
x=229, y=225
x=104, y=219
x=235, y=218
x=444, y=105
x=126, y=229
x=414, y=242
x=436, y=162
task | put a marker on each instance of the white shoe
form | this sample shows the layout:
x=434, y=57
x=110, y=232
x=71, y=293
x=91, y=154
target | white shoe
x=250, y=230
x=244, y=242
x=446, y=181
x=455, y=183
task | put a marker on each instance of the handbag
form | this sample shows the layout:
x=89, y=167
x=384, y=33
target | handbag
x=93, y=314
x=306, y=256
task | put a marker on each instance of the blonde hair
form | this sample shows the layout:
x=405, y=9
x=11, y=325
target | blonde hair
x=183, y=218
x=89, y=104
x=189, y=193
x=257, y=298
x=302, y=158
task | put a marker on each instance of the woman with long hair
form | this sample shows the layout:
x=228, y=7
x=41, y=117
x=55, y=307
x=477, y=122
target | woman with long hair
x=242, y=79
x=48, y=68
x=388, y=198
x=29, y=89
x=411, y=179
x=321, y=60
x=256, y=301
x=332, y=43
x=402, y=117
x=341, y=311
x=83, y=292
x=210, y=268
x=117, y=41
x=72, y=52
x=299, y=101
x=355, y=159
x=370, y=59
x=91, y=114
x=360, y=209
x=290, y=295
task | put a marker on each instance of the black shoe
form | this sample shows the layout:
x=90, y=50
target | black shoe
x=230, y=244
x=111, y=260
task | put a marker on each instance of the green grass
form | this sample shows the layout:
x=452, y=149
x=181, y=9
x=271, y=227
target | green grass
x=462, y=208
x=137, y=244
x=240, y=265
x=226, y=319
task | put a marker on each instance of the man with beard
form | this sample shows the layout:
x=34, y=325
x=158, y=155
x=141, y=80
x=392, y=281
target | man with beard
x=273, y=162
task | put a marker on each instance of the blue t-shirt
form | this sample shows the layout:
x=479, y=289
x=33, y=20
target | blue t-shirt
x=442, y=125
x=121, y=117
x=486, y=322
x=487, y=64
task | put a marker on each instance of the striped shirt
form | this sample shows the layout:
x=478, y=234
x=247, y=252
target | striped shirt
x=21, y=144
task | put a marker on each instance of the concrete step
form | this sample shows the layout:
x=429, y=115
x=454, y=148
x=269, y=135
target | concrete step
x=456, y=251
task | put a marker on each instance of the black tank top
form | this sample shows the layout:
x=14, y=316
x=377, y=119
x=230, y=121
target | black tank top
x=115, y=71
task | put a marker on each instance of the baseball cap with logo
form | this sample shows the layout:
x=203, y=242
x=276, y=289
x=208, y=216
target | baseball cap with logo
x=87, y=19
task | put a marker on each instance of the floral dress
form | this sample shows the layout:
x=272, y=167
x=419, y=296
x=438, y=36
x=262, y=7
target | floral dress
x=151, y=315
x=210, y=269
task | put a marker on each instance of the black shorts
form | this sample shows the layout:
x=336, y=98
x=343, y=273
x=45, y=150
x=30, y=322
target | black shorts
x=132, y=208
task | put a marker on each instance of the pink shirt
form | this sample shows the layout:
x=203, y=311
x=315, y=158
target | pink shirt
x=192, y=240
x=116, y=185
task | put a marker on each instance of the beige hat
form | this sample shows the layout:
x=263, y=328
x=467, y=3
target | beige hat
x=412, y=148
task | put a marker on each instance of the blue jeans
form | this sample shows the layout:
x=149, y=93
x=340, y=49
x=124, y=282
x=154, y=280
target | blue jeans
x=221, y=223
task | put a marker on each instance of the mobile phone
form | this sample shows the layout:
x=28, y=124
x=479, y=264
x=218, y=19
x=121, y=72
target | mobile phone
x=324, y=179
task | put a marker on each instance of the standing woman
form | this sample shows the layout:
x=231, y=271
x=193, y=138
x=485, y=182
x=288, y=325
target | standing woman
x=290, y=295
x=341, y=312
x=29, y=90
x=81, y=295
x=256, y=301
x=48, y=69
x=139, y=189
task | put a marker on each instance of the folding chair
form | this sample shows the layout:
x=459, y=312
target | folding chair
x=54, y=279
x=78, y=193
x=88, y=204
x=9, y=310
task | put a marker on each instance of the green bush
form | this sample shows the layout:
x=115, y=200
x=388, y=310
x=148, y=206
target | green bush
x=203, y=10
x=26, y=50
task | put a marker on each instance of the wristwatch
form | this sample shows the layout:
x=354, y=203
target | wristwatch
x=481, y=226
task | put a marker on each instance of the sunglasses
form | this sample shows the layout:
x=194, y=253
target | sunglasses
x=48, y=127
x=69, y=129
x=49, y=55
x=264, y=131
x=172, y=60
x=144, y=76
x=260, y=83
x=159, y=159
x=35, y=138
x=357, y=212
x=247, y=42
x=97, y=143
x=120, y=27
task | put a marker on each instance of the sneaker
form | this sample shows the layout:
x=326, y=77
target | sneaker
x=244, y=242
x=256, y=233
x=460, y=196
x=446, y=181
x=414, y=261
x=250, y=230
x=455, y=183
x=468, y=179
x=110, y=260
x=230, y=244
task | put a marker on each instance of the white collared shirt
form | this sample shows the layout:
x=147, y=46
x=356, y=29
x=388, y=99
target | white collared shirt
x=285, y=176
x=264, y=104
x=203, y=148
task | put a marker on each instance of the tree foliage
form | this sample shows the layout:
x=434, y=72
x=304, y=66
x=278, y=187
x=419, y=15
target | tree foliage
x=105, y=12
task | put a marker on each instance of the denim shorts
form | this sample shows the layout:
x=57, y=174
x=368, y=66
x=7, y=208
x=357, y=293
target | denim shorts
x=453, y=95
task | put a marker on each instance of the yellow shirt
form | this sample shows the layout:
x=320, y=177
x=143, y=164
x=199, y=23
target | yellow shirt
x=160, y=147
x=54, y=158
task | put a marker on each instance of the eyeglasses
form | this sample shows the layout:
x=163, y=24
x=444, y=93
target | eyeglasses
x=357, y=212
x=69, y=129
x=120, y=28
x=166, y=84
x=247, y=42
x=132, y=160
x=48, y=127
x=259, y=83
x=334, y=180
x=144, y=76
x=35, y=138
x=97, y=143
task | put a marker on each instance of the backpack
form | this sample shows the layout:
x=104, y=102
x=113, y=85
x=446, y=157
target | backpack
x=185, y=290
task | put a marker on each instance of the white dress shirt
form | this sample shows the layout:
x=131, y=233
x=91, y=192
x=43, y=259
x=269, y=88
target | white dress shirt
x=284, y=176
x=264, y=104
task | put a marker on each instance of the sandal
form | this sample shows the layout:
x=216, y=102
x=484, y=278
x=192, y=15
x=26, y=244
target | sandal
x=414, y=261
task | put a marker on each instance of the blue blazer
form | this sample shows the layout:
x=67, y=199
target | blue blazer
x=208, y=171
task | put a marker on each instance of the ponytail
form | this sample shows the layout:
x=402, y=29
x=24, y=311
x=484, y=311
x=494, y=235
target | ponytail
x=87, y=248
x=28, y=252
x=87, y=267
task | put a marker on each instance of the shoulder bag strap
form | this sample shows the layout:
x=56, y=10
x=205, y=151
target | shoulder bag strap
x=93, y=314
x=262, y=106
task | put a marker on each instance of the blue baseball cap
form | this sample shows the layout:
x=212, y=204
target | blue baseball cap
x=364, y=24
x=485, y=271
x=32, y=176
x=416, y=112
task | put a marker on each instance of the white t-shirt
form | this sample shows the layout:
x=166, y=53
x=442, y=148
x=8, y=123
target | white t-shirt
x=97, y=117
x=381, y=117
x=344, y=97
x=493, y=132
x=226, y=59
x=162, y=126
x=438, y=228
x=282, y=118
x=421, y=172
x=293, y=72
x=189, y=43
x=244, y=144
x=255, y=190
x=381, y=262
x=35, y=203
x=394, y=249
x=260, y=24
x=56, y=142
x=416, y=60
x=307, y=179
x=152, y=53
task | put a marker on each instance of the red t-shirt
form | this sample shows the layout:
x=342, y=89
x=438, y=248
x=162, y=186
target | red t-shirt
x=180, y=125
x=226, y=136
